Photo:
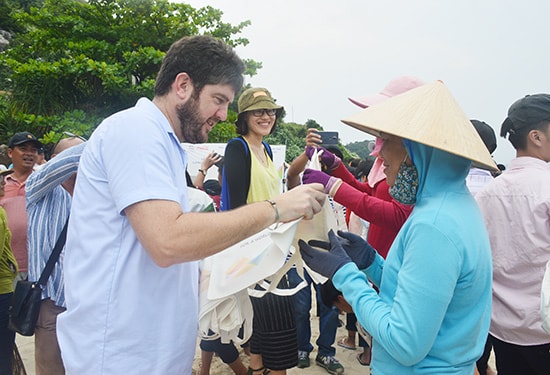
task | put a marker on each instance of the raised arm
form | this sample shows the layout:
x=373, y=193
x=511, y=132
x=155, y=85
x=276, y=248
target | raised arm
x=56, y=171
x=211, y=159
x=299, y=164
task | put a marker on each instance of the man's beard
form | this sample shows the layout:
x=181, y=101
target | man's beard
x=191, y=122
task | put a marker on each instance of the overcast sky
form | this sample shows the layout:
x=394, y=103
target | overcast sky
x=316, y=53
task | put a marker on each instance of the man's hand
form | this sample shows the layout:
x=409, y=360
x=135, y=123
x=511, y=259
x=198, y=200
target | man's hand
x=323, y=262
x=302, y=201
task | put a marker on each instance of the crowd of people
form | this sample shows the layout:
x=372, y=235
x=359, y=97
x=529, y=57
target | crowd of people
x=441, y=262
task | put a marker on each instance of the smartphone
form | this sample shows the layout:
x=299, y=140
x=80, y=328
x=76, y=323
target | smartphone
x=329, y=138
x=219, y=163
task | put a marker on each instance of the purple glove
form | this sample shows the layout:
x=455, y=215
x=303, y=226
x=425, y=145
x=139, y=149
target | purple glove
x=328, y=159
x=312, y=176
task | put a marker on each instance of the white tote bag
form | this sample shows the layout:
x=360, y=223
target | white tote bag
x=256, y=259
x=317, y=228
x=223, y=317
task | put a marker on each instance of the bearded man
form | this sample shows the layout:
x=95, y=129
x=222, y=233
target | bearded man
x=131, y=262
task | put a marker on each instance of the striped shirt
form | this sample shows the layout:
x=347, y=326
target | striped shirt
x=48, y=207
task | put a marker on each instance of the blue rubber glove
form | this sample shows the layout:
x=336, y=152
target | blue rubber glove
x=323, y=262
x=359, y=250
x=328, y=159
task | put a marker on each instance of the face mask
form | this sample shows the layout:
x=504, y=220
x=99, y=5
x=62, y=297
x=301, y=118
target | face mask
x=406, y=184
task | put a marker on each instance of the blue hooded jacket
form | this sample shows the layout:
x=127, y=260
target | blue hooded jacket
x=433, y=311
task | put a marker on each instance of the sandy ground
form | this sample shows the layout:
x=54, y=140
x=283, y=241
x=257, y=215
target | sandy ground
x=346, y=357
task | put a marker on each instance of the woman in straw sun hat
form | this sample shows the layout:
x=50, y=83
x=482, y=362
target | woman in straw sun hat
x=432, y=313
x=249, y=175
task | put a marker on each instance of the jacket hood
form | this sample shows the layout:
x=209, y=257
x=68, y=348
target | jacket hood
x=438, y=171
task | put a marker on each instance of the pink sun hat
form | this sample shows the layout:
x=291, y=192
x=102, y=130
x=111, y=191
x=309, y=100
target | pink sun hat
x=395, y=87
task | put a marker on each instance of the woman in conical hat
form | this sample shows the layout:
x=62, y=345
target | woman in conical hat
x=364, y=199
x=369, y=200
x=432, y=313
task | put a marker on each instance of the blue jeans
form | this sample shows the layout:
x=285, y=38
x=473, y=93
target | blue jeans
x=328, y=317
x=351, y=321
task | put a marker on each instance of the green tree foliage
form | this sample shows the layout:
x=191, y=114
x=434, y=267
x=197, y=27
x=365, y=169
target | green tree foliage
x=94, y=57
x=223, y=131
x=8, y=8
x=292, y=136
x=361, y=148
x=71, y=63
x=313, y=124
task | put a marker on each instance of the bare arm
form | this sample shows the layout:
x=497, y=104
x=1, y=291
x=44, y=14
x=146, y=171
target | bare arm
x=171, y=236
x=299, y=164
x=207, y=162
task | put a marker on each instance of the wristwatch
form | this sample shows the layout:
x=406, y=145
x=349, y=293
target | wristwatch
x=203, y=172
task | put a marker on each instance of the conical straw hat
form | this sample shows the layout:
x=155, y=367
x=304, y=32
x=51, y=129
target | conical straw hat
x=429, y=115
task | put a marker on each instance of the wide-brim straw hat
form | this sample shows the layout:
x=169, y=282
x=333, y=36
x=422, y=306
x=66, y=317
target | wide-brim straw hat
x=429, y=115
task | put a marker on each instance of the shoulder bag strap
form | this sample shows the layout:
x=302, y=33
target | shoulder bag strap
x=54, y=255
